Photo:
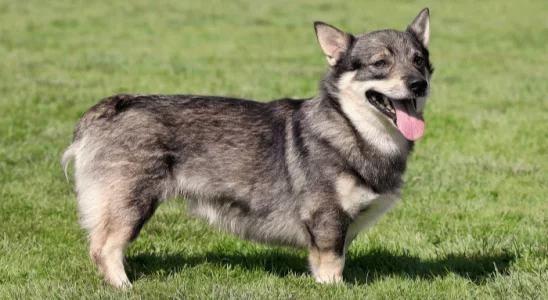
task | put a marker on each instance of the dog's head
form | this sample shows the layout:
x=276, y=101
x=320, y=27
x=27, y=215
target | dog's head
x=387, y=72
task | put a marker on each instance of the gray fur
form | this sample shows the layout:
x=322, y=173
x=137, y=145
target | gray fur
x=293, y=172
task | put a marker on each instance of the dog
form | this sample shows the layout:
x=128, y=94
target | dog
x=309, y=173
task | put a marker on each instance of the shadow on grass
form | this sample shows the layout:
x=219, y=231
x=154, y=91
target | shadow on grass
x=361, y=269
x=378, y=264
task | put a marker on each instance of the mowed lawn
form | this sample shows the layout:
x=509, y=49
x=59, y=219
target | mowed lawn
x=473, y=222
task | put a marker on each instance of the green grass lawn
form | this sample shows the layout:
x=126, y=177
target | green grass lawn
x=473, y=222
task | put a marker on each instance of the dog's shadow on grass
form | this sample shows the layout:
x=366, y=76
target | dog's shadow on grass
x=378, y=264
x=360, y=269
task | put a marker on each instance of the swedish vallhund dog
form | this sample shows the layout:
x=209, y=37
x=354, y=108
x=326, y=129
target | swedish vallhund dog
x=309, y=173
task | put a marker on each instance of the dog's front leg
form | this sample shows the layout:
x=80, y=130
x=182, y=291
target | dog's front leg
x=326, y=249
x=326, y=266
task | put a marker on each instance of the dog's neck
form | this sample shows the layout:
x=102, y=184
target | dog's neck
x=360, y=117
x=379, y=169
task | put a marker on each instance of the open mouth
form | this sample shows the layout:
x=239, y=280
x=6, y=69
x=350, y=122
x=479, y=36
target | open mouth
x=384, y=104
x=403, y=112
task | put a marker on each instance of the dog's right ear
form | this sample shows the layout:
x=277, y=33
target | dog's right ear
x=333, y=42
x=420, y=27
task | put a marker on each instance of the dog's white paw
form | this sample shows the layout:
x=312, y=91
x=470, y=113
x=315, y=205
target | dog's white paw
x=121, y=284
x=329, y=279
x=120, y=281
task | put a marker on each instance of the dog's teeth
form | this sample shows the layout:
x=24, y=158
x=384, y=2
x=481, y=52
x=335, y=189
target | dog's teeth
x=386, y=102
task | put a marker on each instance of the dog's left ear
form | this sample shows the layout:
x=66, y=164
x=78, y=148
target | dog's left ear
x=333, y=42
x=420, y=27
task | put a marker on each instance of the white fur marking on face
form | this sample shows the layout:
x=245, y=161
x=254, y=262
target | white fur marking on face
x=371, y=123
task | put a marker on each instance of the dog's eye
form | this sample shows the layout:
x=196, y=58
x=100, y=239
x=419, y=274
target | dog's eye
x=380, y=63
x=418, y=60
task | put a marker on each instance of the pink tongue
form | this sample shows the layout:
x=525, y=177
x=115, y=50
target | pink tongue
x=409, y=122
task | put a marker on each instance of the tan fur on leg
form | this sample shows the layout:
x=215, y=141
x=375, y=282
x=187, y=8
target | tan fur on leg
x=327, y=267
x=107, y=251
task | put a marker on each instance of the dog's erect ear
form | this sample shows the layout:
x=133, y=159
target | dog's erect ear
x=420, y=27
x=334, y=42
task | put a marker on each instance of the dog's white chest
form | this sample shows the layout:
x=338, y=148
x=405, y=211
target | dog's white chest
x=371, y=213
x=354, y=198
x=362, y=204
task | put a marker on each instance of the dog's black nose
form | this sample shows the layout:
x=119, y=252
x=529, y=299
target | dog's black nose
x=417, y=86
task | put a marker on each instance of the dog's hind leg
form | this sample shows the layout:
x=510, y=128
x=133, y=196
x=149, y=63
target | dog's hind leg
x=121, y=214
x=107, y=247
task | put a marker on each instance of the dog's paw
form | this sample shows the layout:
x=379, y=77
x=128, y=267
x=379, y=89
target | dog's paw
x=329, y=279
x=123, y=285
x=121, y=282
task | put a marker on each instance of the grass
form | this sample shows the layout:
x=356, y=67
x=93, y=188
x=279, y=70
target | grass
x=473, y=222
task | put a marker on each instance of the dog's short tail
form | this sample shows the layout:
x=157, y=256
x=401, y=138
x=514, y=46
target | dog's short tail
x=104, y=109
x=68, y=155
